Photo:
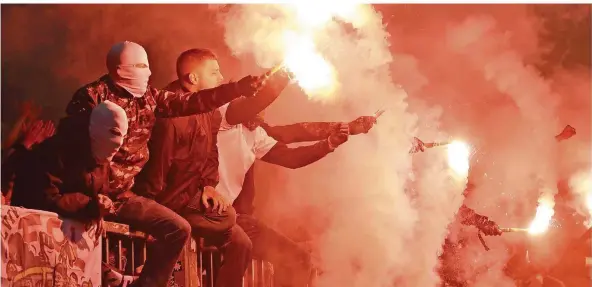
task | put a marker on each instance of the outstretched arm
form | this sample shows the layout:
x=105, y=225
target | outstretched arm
x=316, y=131
x=271, y=151
x=469, y=217
x=178, y=104
x=301, y=132
x=245, y=109
x=297, y=157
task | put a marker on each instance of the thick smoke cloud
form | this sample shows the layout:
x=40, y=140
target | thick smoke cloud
x=470, y=73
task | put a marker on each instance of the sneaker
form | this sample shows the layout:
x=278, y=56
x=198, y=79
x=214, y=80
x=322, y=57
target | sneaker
x=115, y=278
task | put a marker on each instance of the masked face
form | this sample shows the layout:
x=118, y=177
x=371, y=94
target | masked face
x=107, y=129
x=128, y=66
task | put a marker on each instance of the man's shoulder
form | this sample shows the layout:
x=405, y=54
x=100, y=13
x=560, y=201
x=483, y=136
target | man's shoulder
x=173, y=86
x=99, y=85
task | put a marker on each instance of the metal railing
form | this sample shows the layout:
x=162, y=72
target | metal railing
x=197, y=266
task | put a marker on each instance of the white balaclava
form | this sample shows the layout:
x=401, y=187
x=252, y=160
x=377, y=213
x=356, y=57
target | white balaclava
x=107, y=129
x=124, y=63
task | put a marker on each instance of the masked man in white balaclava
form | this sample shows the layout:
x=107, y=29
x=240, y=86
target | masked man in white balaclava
x=126, y=84
x=69, y=172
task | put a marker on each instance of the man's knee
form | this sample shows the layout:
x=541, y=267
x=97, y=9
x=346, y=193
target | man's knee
x=240, y=240
x=220, y=222
x=184, y=228
x=181, y=231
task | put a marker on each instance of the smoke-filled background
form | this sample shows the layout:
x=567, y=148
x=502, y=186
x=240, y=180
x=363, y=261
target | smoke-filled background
x=504, y=78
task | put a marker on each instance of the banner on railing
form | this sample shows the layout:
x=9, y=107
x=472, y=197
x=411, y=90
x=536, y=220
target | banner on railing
x=40, y=249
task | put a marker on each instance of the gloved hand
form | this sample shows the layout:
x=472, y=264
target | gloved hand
x=418, y=146
x=249, y=85
x=284, y=72
x=337, y=138
x=362, y=124
x=489, y=228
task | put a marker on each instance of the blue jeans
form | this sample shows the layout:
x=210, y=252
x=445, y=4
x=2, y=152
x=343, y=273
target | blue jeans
x=170, y=230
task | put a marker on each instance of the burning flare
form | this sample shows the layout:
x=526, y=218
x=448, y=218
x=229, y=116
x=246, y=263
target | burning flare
x=542, y=220
x=581, y=185
x=458, y=158
x=314, y=74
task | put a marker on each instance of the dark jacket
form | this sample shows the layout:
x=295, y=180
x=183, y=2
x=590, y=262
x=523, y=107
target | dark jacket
x=60, y=175
x=184, y=153
x=142, y=113
x=183, y=157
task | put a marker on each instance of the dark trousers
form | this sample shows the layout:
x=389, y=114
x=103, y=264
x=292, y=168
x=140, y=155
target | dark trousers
x=170, y=230
x=251, y=237
x=220, y=230
x=292, y=263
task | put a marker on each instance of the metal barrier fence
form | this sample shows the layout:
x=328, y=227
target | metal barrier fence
x=197, y=266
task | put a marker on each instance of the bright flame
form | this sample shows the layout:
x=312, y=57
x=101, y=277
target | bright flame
x=581, y=185
x=458, y=158
x=543, y=216
x=313, y=73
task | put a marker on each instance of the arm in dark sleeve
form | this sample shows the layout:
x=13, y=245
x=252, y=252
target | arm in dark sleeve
x=245, y=109
x=179, y=104
x=297, y=157
x=153, y=177
x=82, y=101
x=75, y=205
x=301, y=132
x=469, y=217
x=210, y=171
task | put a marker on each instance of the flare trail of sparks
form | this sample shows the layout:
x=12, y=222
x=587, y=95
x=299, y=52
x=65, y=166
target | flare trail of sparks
x=542, y=220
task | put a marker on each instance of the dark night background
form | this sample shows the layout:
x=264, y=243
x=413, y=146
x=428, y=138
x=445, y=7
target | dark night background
x=48, y=51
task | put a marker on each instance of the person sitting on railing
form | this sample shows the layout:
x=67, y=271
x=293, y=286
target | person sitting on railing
x=126, y=84
x=68, y=173
x=182, y=171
